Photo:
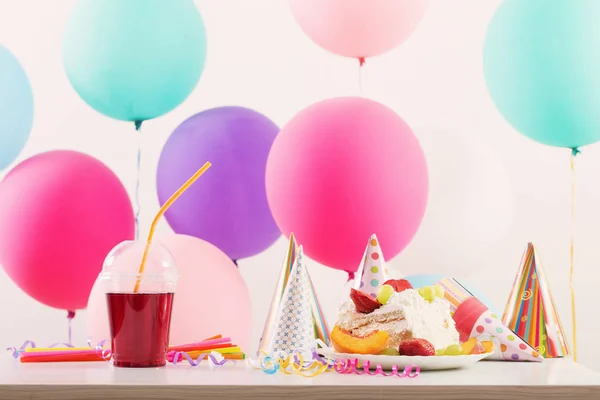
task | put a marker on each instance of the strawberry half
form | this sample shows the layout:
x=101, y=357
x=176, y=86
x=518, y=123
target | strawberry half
x=399, y=285
x=364, y=303
x=416, y=347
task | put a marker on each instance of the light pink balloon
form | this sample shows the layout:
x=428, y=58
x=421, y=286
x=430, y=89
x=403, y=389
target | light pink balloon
x=341, y=170
x=358, y=28
x=61, y=213
x=211, y=297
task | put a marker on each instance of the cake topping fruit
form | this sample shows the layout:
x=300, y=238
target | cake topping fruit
x=363, y=302
x=453, y=350
x=478, y=348
x=399, y=285
x=474, y=346
x=488, y=346
x=430, y=293
x=384, y=293
x=469, y=345
x=416, y=347
x=390, y=351
x=344, y=342
x=439, y=291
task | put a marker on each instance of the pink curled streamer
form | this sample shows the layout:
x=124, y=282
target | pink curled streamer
x=194, y=363
x=350, y=366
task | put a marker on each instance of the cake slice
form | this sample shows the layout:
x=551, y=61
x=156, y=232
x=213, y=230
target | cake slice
x=404, y=315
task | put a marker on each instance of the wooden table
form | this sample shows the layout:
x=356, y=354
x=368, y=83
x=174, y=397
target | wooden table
x=552, y=379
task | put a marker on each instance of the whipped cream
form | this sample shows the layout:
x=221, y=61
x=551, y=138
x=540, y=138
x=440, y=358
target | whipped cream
x=430, y=321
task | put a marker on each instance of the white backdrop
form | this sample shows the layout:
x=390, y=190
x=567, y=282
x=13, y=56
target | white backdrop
x=259, y=58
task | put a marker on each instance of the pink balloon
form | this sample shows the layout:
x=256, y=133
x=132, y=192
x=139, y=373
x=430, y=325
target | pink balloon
x=211, y=297
x=62, y=212
x=341, y=170
x=358, y=28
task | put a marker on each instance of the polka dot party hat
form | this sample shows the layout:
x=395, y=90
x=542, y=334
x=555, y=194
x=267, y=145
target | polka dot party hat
x=473, y=319
x=373, y=272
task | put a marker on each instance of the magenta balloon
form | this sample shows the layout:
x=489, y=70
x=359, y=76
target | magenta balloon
x=228, y=207
x=341, y=170
x=61, y=213
x=211, y=296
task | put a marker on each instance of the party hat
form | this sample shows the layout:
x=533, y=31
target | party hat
x=474, y=319
x=293, y=328
x=321, y=330
x=530, y=310
x=454, y=292
x=373, y=272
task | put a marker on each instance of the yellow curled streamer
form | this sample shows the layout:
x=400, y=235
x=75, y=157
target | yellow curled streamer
x=309, y=372
x=284, y=364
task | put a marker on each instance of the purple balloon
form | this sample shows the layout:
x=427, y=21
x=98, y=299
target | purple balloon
x=228, y=205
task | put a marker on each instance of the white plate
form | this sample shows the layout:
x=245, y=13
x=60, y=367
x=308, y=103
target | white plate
x=431, y=363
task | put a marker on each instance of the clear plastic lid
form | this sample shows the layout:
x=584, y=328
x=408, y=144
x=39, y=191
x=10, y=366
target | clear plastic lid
x=120, y=270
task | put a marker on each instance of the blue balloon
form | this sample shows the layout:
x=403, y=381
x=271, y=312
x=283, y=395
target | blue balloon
x=134, y=60
x=16, y=107
x=418, y=281
x=541, y=63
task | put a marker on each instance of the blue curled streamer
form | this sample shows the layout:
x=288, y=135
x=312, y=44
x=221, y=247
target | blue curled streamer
x=196, y=362
x=269, y=365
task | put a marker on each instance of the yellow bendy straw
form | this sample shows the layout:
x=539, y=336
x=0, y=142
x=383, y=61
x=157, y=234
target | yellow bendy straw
x=160, y=213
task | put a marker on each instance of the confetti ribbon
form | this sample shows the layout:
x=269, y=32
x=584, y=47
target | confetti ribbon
x=288, y=365
x=213, y=359
x=30, y=344
x=102, y=352
x=351, y=366
x=295, y=364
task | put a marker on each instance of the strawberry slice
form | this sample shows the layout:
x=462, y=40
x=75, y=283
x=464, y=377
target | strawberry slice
x=416, y=347
x=364, y=303
x=399, y=285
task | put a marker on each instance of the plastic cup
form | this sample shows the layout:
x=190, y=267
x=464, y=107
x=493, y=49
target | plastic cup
x=139, y=322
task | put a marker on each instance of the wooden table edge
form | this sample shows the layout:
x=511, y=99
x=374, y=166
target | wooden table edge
x=292, y=392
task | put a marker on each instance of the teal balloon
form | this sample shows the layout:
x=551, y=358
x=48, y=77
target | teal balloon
x=134, y=60
x=16, y=107
x=542, y=67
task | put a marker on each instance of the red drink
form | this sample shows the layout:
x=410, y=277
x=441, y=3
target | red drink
x=139, y=328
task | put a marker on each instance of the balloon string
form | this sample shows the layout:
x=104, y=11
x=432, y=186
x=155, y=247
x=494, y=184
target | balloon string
x=361, y=62
x=138, y=207
x=572, y=253
x=70, y=316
